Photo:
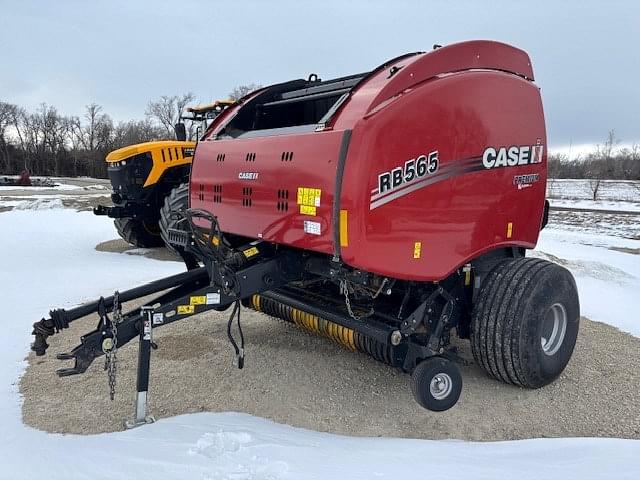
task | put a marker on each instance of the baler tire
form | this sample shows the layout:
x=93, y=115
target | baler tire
x=178, y=199
x=138, y=233
x=424, y=384
x=525, y=322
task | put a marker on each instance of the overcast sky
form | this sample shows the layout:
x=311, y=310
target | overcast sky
x=120, y=54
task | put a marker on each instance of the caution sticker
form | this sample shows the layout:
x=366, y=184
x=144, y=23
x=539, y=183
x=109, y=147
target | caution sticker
x=185, y=309
x=250, y=252
x=213, y=298
x=309, y=196
x=312, y=227
x=417, y=249
x=199, y=300
x=158, y=318
x=146, y=329
x=307, y=210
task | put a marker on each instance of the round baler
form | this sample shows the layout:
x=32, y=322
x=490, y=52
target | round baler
x=386, y=211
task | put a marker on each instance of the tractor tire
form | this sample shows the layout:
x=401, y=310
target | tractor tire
x=138, y=233
x=177, y=200
x=525, y=321
x=436, y=384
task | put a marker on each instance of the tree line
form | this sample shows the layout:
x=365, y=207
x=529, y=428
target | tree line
x=47, y=143
x=606, y=161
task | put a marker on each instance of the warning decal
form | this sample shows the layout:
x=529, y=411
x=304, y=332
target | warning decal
x=309, y=197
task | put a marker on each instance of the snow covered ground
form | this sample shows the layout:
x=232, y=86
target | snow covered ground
x=48, y=260
x=579, y=189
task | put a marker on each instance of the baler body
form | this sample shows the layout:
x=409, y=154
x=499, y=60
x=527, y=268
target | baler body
x=425, y=163
x=382, y=210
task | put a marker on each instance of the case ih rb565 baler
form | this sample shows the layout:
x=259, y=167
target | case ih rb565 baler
x=383, y=210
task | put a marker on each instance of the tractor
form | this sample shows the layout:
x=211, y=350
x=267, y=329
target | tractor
x=387, y=211
x=150, y=179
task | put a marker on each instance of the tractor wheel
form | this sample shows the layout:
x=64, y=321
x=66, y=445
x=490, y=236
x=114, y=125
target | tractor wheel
x=138, y=233
x=177, y=200
x=524, y=323
x=436, y=384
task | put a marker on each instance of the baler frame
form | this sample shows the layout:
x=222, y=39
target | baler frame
x=264, y=279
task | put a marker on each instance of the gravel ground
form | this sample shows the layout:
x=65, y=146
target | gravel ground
x=306, y=381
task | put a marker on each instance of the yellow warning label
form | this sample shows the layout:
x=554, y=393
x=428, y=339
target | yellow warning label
x=185, y=309
x=250, y=252
x=307, y=210
x=417, y=249
x=509, y=229
x=309, y=196
x=199, y=300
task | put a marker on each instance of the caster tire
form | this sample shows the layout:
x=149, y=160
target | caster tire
x=436, y=384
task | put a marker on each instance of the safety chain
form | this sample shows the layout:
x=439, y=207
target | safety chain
x=110, y=348
x=344, y=289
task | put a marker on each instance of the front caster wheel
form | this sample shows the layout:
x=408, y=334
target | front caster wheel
x=436, y=384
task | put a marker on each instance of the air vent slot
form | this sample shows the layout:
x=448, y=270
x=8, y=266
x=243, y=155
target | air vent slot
x=201, y=192
x=246, y=196
x=251, y=157
x=220, y=157
x=217, y=194
x=283, y=200
x=286, y=156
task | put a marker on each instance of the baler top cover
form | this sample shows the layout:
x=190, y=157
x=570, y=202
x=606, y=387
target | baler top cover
x=410, y=170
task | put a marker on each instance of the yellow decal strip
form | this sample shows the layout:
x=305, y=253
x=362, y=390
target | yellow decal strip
x=344, y=231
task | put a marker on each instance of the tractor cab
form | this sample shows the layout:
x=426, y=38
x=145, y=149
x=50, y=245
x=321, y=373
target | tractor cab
x=203, y=115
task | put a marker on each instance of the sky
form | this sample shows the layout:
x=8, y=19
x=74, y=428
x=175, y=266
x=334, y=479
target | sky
x=123, y=53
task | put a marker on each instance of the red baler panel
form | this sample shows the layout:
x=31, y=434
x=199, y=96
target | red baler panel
x=426, y=229
x=252, y=184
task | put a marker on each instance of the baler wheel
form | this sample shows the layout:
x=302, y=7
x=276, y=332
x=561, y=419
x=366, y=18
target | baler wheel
x=177, y=200
x=138, y=233
x=525, y=322
x=436, y=384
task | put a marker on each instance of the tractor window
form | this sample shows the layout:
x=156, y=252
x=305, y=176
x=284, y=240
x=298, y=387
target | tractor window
x=295, y=106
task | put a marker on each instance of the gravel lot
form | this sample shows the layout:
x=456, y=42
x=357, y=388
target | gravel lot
x=302, y=380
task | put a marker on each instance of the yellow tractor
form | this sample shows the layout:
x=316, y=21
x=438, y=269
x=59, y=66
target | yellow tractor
x=150, y=179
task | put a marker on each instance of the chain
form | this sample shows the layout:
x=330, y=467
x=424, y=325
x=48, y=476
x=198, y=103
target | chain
x=344, y=288
x=111, y=360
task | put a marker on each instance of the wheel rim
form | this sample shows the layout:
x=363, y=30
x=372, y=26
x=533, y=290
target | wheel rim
x=554, y=328
x=440, y=386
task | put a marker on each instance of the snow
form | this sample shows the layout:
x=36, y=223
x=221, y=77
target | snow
x=57, y=186
x=49, y=260
x=608, y=280
x=579, y=189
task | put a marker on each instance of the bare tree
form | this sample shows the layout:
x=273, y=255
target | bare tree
x=599, y=169
x=8, y=112
x=136, y=131
x=95, y=132
x=168, y=109
x=243, y=90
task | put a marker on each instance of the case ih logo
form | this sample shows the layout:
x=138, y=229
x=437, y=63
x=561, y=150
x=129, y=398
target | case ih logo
x=248, y=175
x=512, y=156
